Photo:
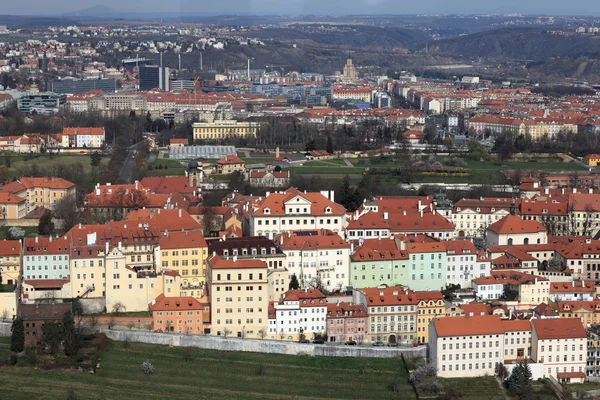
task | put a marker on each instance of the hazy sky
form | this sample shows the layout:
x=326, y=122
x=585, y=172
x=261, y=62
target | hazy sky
x=572, y=7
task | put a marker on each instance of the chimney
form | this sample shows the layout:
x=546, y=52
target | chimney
x=421, y=212
x=214, y=253
x=179, y=213
x=136, y=185
x=277, y=152
x=50, y=238
x=332, y=195
x=546, y=191
x=120, y=246
x=590, y=191
x=351, y=247
x=36, y=239
x=97, y=192
x=574, y=190
x=234, y=258
x=386, y=216
x=106, y=248
x=80, y=225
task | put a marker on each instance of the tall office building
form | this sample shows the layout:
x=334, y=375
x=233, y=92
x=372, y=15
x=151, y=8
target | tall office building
x=153, y=76
x=70, y=85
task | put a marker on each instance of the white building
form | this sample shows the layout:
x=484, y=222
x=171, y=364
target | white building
x=301, y=313
x=513, y=230
x=295, y=210
x=317, y=256
x=464, y=263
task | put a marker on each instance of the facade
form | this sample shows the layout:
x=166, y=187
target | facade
x=300, y=315
x=249, y=247
x=431, y=305
x=178, y=314
x=186, y=253
x=46, y=258
x=10, y=261
x=464, y=263
x=154, y=77
x=347, y=322
x=41, y=103
x=229, y=164
x=83, y=137
x=12, y=206
x=295, y=210
x=513, y=230
x=238, y=291
x=223, y=129
x=471, y=217
x=427, y=266
x=41, y=192
x=392, y=313
x=349, y=71
x=378, y=262
x=78, y=86
x=35, y=315
x=318, y=258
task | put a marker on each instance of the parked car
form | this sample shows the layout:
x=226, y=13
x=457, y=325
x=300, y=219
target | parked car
x=318, y=341
x=392, y=344
x=378, y=344
x=350, y=343
x=158, y=330
x=303, y=341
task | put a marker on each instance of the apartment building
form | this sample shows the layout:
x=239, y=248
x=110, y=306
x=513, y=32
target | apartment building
x=12, y=206
x=223, y=129
x=300, y=315
x=46, y=258
x=377, y=262
x=367, y=226
x=10, y=261
x=587, y=311
x=41, y=192
x=185, y=252
x=294, y=210
x=468, y=346
x=179, y=314
x=238, y=291
x=530, y=289
x=431, y=305
x=83, y=137
x=347, y=322
x=427, y=265
x=517, y=340
x=471, y=217
x=392, y=313
x=316, y=257
x=561, y=346
x=572, y=291
x=250, y=247
x=230, y=163
x=464, y=263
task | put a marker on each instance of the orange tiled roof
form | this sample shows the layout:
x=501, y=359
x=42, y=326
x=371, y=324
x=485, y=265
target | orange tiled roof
x=468, y=325
x=559, y=328
x=511, y=224
x=182, y=240
x=162, y=303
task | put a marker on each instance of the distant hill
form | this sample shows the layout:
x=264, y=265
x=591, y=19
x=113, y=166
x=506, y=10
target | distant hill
x=524, y=44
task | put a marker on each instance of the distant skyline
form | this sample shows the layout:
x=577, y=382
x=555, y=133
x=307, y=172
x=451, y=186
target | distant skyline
x=318, y=7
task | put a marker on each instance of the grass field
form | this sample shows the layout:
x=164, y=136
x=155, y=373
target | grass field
x=30, y=231
x=211, y=375
x=45, y=162
x=478, y=388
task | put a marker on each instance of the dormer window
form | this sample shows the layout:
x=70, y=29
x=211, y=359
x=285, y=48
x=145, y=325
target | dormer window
x=235, y=252
x=273, y=251
x=328, y=210
x=225, y=252
x=267, y=211
x=493, y=209
x=457, y=208
x=244, y=252
x=253, y=252
x=478, y=209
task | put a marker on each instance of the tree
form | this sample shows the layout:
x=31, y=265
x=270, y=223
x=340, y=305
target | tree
x=348, y=197
x=236, y=181
x=311, y=145
x=46, y=226
x=52, y=335
x=71, y=337
x=519, y=381
x=118, y=308
x=147, y=368
x=67, y=210
x=95, y=159
x=554, y=264
x=294, y=284
x=329, y=146
x=17, y=337
x=262, y=333
x=7, y=162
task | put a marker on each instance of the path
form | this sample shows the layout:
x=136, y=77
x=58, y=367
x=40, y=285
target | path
x=348, y=163
x=126, y=172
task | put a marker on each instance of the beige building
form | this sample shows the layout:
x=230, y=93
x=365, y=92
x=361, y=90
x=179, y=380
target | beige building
x=560, y=344
x=133, y=291
x=392, y=313
x=41, y=192
x=431, y=305
x=218, y=130
x=186, y=253
x=239, y=301
x=513, y=230
x=12, y=206
x=10, y=261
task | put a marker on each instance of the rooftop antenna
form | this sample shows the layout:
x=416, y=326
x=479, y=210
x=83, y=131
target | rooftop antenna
x=248, y=69
x=161, y=63
x=179, y=61
x=200, y=61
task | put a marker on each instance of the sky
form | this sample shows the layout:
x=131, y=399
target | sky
x=319, y=7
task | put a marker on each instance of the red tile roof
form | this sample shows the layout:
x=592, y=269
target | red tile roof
x=216, y=262
x=468, y=326
x=511, y=224
x=369, y=220
x=516, y=325
x=10, y=247
x=275, y=203
x=182, y=240
x=33, y=182
x=572, y=287
x=162, y=303
x=10, y=198
x=389, y=296
x=559, y=328
x=322, y=239
x=346, y=310
x=231, y=159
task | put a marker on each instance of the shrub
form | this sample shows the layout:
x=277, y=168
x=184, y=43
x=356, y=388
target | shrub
x=147, y=368
x=12, y=360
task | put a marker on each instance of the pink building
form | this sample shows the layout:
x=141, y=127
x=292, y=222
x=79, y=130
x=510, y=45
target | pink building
x=346, y=321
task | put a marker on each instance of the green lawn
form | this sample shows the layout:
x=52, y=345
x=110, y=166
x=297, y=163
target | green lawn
x=211, y=375
x=30, y=231
x=44, y=162
x=582, y=387
x=257, y=160
x=478, y=388
x=173, y=167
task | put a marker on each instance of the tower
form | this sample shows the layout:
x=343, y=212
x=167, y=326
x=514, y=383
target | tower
x=349, y=71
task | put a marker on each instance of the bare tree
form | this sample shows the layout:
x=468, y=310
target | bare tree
x=226, y=332
x=118, y=308
x=131, y=325
x=588, y=219
x=262, y=333
x=93, y=321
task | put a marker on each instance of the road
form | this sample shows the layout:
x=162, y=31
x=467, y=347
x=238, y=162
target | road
x=126, y=173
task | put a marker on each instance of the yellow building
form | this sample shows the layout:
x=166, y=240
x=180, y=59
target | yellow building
x=218, y=130
x=10, y=261
x=592, y=160
x=130, y=290
x=186, y=253
x=431, y=305
x=229, y=164
x=587, y=311
x=41, y=192
x=12, y=206
x=238, y=291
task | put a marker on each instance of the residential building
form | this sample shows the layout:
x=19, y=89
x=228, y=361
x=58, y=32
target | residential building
x=185, y=252
x=46, y=258
x=238, y=291
x=83, y=137
x=431, y=305
x=230, y=163
x=347, y=322
x=587, y=311
x=249, y=247
x=378, y=262
x=560, y=344
x=294, y=210
x=529, y=290
x=179, y=314
x=572, y=291
x=301, y=314
x=223, y=129
x=35, y=315
x=464, y=263
x=10, y=261
x=471, y=217
x=12, y=206
x=69, y=85
x=41, y=192
x=517, y=340
x=318, y=258
x=392, y=313
x=427, y=265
